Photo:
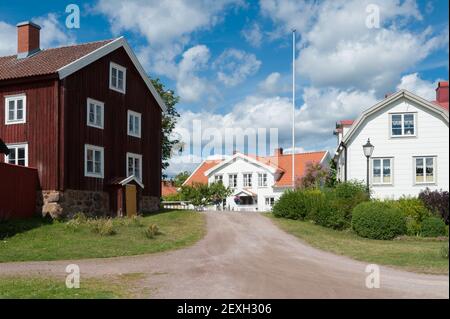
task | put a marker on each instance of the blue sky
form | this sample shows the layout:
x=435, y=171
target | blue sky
x=230, y=60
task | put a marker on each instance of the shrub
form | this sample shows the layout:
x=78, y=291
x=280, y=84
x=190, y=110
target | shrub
x=73, y=225
x=102, y=226
x=437, y=202
x=433, y=227
x=378, y=220
x=151, y=231
x=415, y=213
x=292, y=204
x=347, y=196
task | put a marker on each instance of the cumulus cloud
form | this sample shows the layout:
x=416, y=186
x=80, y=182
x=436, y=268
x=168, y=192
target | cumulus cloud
x=234, y=66
x=413, y=83
x=253, y=35
x=8, y=39
x=274, y=83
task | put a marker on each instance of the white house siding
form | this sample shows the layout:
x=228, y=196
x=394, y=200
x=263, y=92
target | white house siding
x=432, y=139
x=241, y=167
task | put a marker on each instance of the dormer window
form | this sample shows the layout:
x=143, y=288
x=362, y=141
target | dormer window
x=15, y=109
x=117, y=77
x=403, y=124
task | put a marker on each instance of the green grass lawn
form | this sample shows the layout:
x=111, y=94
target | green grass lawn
x=24, y=287
x=37, y=240
x=408, y=253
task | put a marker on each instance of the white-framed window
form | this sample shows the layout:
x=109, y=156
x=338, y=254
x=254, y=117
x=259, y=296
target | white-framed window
x=382, y=171
x=248, y=180
x=134, y=165
x=134, y=124
x=94, y=161
x=95, y=113
x=218, y=178
x=262, y=180
x=232, y=180
x=15, y=109
x=18, y=154
x=403, y=124
x=425, y=170
x=270, y=201
x=117, y=77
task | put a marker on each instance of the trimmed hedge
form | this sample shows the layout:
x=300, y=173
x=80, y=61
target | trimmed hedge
x=291, y=205
x=433, y=227
x=414, y=211
x=378, y=220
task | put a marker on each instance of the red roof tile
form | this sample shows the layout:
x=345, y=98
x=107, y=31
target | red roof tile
x=45, y=62
x=198, y=176
x=168, y=188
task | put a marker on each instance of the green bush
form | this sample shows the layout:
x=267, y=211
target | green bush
x=378, y=220
x=415, y=213
x=102, y=226
x=433, y=227
x=292, y=204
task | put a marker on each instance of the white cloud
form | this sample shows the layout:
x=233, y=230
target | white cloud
x=274, y=83
x=413, y=83
x=253, y=35
x=190, y=87
x=234, y=66
x=8, y=39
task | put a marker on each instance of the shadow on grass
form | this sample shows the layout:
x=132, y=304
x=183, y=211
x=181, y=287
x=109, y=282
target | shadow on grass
x=12, y=227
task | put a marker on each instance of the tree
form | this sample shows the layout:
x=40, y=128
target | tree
x=315, y=176
x=169, y=120
x=331, y=180
x=200, y=194
x=181, y=178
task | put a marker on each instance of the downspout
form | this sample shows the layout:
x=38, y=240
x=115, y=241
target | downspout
x=345, y=162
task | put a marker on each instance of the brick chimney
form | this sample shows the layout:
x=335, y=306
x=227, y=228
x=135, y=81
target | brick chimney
x=28, y=42
x=278, y=151
x=442, y=92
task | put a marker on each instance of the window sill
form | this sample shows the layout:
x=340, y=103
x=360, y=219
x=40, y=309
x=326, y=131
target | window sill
x=15, y=122
x=93, y=175
x=117, y=90
x=96, y=126
x=133, y=135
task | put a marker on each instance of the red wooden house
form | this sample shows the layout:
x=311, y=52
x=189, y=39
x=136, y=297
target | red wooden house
x=88, y=118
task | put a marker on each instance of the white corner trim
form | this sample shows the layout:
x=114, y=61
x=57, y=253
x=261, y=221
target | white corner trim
x=324, y=157
x=76, y=65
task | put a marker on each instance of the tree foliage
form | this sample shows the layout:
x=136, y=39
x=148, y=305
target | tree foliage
x=200, y=194
x=169, y=120
x=180, y=178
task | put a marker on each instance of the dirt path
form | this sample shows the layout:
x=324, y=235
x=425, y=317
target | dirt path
x=244, y=255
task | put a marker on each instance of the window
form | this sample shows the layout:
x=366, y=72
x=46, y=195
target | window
x=18, y=154
x=403, y=124
x=117, y=78
x=270, y=201
x=382, y=171
x=15, y=109
x=93, y=161
x=218, y=178
x=425, y=170
x=232, y=180
x=95, y=113
x=134, y=124
x=262, y=180
x=248, y=180
x=134, y=165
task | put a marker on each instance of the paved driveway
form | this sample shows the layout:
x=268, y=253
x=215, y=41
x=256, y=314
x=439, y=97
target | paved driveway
x=244, y=255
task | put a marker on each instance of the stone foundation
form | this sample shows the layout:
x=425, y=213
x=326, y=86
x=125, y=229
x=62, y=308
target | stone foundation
x=150, y=204
x=58, y=204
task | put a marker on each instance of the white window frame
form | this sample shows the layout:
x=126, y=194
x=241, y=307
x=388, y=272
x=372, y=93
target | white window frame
x=247, y=182
x=424, y=182
x=17, y=146
x=102, y=163
x=234, y=185
x=134, y=157
x=381, y=183
x=102, y=116
x=139, y=116
x=15, y=98
x=218, y=178
x=269, y=198
x=403, y=124
x=118, y=67
x=262, y=180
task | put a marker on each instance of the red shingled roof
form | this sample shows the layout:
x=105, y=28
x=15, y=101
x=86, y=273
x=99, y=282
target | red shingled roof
x=45, y=62
x=282, y=162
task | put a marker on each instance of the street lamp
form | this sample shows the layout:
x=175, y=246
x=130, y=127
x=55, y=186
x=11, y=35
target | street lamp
x=368, y=150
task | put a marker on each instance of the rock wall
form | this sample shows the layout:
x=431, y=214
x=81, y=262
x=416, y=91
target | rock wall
x=149, y=204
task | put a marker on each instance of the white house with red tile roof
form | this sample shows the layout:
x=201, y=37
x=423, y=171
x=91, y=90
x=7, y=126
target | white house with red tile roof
x=410, y=136
x=257, y=181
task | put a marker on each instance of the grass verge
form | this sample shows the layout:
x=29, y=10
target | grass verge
x=408, y=253
x=34, y=240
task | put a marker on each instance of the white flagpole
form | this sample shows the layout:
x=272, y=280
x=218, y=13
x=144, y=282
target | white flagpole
x=293, y=108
